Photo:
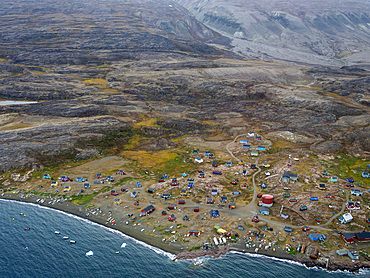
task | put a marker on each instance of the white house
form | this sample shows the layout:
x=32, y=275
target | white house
x=345, y=218
x=198, y=160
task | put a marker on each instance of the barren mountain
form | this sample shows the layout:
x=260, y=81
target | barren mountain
x=315, y=32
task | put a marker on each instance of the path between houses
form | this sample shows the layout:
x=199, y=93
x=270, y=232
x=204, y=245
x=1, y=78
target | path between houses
x=339, y=213
x=251, y=209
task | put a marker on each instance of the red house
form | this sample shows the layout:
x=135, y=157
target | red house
x=196, y=209
x=171, y=218
x=181, y=202
x=363, y=236
x=171, y=207
x=194, y=232
x=147, y=210
x=348, y=237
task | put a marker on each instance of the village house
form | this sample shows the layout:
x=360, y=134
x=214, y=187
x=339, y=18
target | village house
x=265, y=211
x=356, y=192
x=346, y=218
x=147, y=210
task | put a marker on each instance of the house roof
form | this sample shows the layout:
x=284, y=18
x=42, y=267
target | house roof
x=264, y=209
x=148, y=208
x=363, y=235
x=348, y=236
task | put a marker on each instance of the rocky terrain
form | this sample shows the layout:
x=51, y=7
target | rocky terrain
x=98, y=70
x=315, y=32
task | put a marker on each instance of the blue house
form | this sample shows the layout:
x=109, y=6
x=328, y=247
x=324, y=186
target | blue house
x=365, y=175
x=264, y=211
x=190, y=185
x=214, y=213
x=244, y=141
x=46, y=176
x=261, y=148
x=207, y=153
x=246, y=146
x=317, y=236
x=165, y=176
x=229, y=163
x=354, y=255
x=138, y=184
x=288, y=229
x=314, y=199
x=80, y=179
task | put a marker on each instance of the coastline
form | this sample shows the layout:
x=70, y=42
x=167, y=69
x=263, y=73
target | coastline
x=179, y=253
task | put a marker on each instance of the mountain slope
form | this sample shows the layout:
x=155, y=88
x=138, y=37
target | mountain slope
x=318, y=32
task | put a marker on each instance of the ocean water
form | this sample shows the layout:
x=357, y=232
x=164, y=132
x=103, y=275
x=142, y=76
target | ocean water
x=39, y=252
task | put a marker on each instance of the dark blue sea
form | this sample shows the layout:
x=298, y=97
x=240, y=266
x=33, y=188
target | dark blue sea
x=39, y=252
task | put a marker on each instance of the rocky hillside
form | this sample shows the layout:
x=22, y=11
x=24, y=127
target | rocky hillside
x=314, y=32
x=139, y=74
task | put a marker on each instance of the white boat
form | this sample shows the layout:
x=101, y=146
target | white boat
x=57, y=232
x=90, y=253
x=224, y=240
x=65, y=237
x=215, y=241
x=72, y=241
x=123, y=245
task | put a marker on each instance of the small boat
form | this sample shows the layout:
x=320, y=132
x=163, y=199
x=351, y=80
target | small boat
x=117, y=252
x=90, y=253
x=27, y=228
x=65, y=237
x=123, y=245
x=57, y=232
x=20, y=213
x=72, y=241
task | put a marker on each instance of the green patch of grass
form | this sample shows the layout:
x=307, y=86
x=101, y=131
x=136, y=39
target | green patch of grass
x=195, y=248
x=292, y=251
x=83, y=199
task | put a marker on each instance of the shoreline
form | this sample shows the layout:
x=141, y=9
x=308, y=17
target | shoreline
x=183, y=254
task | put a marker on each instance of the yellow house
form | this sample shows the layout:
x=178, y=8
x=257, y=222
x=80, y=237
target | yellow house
x=67, y=188
x=322, y=186
x=117, y=201
x=53, y=183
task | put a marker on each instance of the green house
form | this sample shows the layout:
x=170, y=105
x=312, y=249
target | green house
x=334, y=179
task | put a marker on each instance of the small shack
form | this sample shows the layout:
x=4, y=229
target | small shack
x=194, y=232
x=354, y=255
x=317, y=236
x=265, y=211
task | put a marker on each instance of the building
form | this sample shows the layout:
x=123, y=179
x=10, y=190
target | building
x=198, y=160
x=356, y=192
x=288, y=177
x=254, y=153
x=214, y=192
x=363, y=236
x=288, y=229
x=261, y=148
x=346, y=218
x=317, y=236
x=267, y=200
x=194, y=232
x=244, y=141
x=232, y=206
x=117, y=201
x=214, y=213
x=354, y=255
x=246, y=146
x=265, y=211
x=348, y=237
x=148, y=210
x=342, y=252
